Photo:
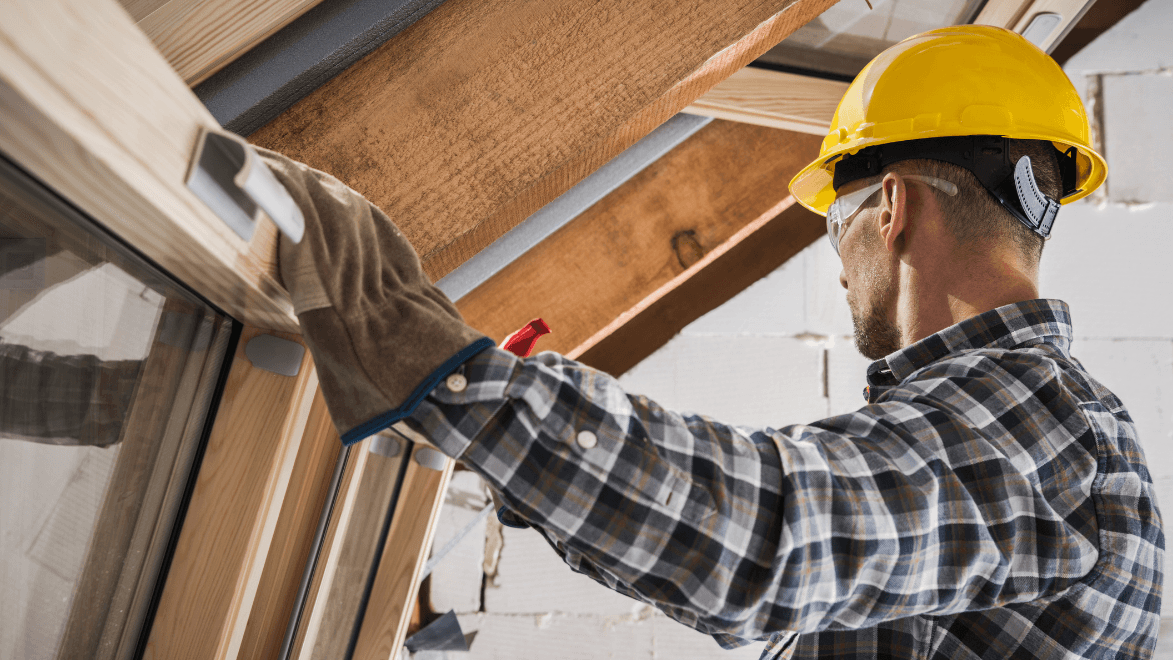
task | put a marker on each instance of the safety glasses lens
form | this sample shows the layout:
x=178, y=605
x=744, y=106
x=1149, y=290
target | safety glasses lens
x=834, y=225
x=843, y=208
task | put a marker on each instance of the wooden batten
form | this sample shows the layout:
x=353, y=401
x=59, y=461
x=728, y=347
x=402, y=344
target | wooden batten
x=397, y=580
x=89, y=107
x=201, y=37
x=470, y=120
x=773, y=98
x=666, y=225
x=217, y=571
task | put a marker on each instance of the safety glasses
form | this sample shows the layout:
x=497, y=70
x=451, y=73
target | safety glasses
x=846, y=206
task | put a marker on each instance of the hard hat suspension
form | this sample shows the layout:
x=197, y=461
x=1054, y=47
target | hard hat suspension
x=988, y=157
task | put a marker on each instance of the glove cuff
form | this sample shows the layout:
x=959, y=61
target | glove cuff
x=382, y=421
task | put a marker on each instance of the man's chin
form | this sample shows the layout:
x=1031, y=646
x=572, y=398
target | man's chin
x=875, y=336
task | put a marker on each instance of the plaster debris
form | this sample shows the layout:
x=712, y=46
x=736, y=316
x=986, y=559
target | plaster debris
x=455, y=584
x=494, y=544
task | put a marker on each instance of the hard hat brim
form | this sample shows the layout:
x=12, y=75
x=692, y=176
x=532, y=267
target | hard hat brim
x=812, y=187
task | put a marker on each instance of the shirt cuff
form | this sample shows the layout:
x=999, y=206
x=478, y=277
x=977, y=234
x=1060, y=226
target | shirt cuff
x=463, y=404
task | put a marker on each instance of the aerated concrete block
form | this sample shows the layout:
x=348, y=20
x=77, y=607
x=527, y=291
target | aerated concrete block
x=826, y=307
x=1141, y=374
x=1139, y=42
x=1111, y=264
x=1138, y=136
x=655, y=375
x=846, y=377
x=752, y=381
x=533, y=579
x=771, y=306
x=556, y=637
x=672, y=640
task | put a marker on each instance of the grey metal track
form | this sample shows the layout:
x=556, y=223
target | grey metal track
x=302, y=56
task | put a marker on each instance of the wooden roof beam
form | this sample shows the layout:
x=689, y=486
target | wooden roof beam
x=677, y=240
x=479, y=114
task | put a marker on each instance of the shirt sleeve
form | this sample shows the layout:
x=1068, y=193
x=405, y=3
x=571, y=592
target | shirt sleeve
x=900, y=508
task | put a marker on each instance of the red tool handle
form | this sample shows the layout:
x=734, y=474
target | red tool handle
x=521, y=343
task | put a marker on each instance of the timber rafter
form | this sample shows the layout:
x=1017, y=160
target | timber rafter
x=479, y=114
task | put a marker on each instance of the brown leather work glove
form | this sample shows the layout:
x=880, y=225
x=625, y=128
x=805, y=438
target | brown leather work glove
x=381, y=334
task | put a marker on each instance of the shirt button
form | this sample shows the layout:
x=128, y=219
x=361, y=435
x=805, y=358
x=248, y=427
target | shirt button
x=457, y=382
x=587, y=440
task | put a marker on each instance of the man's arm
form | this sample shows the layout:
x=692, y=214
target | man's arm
x=901, y=508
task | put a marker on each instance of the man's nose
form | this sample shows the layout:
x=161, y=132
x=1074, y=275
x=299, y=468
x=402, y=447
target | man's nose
x=843, y=278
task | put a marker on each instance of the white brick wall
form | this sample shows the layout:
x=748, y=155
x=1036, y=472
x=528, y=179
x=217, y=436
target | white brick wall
x=1111, y=263
x=781, y=353
x=1137, y=135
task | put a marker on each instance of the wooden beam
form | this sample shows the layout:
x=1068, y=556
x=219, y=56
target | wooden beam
x=772, y=98
x=665, y=226
x=479, y=114
x=763, y=248
x=200, y=37
x=89, y=107
x=228, y=531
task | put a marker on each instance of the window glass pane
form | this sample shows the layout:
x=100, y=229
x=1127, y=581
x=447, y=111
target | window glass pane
x=843, y=39
x=107, y=372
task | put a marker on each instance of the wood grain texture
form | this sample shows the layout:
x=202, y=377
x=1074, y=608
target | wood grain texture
x=88, y=106
x=479, y=114
x=663, y=225
x=336, y=614
x=765, y=247
x=293, y=538
x=200, y=37
x=318, y=603
x=140, y=9
x=397, y=581
x=773, y=98
x=227, y=533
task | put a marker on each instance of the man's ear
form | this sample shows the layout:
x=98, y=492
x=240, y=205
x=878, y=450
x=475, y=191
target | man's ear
x=893, y=217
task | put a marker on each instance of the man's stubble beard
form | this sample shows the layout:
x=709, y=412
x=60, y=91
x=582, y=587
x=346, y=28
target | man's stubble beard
x=876, y=336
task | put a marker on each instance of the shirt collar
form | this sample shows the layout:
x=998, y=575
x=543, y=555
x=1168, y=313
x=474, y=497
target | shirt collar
x=1010, y=326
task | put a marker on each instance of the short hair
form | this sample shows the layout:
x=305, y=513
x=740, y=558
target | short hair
x=974, y=214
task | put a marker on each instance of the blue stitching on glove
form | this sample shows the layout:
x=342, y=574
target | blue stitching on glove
x=428, y=384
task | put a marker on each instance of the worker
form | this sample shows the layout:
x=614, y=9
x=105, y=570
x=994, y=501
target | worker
x=990, y=499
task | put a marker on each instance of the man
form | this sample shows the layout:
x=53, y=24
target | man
x=989, y=501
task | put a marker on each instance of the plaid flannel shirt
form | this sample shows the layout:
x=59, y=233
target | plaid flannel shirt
x=989, y=501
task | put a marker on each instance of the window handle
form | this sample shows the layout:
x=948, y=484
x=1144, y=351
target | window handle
x=230, y=178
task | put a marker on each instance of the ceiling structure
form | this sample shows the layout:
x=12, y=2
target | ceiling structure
x=462, y=121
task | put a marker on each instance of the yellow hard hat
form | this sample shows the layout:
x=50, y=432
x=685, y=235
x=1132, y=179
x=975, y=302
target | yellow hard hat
x=957, y=81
